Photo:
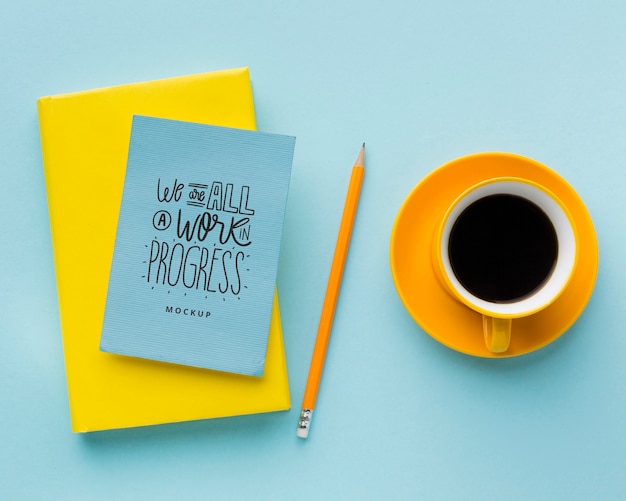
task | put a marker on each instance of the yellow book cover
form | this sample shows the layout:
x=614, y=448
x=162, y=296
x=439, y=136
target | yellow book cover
x=85, y=138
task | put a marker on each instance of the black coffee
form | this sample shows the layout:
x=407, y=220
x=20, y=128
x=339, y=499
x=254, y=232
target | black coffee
x=502, y=248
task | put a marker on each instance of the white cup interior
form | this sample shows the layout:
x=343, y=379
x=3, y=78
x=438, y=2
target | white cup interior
x=566, y=254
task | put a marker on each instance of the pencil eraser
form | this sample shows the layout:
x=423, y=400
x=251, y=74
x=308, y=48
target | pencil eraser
x=304, y=423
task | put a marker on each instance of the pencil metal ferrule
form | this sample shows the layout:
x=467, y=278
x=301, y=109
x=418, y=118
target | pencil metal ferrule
x=304, y=423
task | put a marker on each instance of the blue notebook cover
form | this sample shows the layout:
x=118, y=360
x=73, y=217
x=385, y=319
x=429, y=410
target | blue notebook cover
x=196, y=253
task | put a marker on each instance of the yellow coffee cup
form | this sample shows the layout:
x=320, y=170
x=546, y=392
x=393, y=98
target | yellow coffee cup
x=507, y=248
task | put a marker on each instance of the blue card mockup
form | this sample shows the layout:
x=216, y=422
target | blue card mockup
x=198, y=238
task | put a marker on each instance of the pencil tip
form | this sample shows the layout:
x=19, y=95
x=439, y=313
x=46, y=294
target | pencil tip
x=361, y=157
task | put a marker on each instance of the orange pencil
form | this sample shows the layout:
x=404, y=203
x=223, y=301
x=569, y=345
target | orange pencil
x=332, y=292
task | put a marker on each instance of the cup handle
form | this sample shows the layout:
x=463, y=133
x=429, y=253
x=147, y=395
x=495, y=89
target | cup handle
x=497, y=333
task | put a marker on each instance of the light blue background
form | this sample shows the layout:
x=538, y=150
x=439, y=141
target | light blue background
x=399, y=416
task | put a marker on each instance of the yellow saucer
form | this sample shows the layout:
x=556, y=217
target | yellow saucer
x=437, y=312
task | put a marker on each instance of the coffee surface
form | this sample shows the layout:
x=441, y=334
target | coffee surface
x=502, y=248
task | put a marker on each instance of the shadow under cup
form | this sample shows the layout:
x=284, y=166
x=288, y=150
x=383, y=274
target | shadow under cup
x=506, y=248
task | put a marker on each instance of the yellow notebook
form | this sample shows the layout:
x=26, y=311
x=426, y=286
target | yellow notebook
x=85, y=139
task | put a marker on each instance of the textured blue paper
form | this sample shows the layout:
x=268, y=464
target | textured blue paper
x=196, y=253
